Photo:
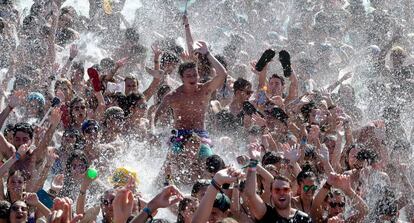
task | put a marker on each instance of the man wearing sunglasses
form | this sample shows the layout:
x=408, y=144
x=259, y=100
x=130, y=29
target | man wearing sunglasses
x=307, y=187
x=335, y=201
x=279, y=210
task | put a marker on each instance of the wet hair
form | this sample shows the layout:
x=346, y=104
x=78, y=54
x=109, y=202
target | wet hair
x=63, y=81
x=222, y=202
x=282, y=80
x=19, y=173
x=23, y=127
x=182, y=206
x=306, y=110
x=240, y=84
x=169, y=57
x=107, y=63
x=132, y=78
x=131, y=34
x=35, y=9
x=369, y=155
x=72, y=105
x=73, y=132
x=4, y=209
x=9, y=128
x=278, y=114
x=162, y=91
x=198, y=185
x=214, y=164
x=222, y=60
x=282, y=178
x=76, y=154
x=271, y=158
x=184, y=66
x=306, y=173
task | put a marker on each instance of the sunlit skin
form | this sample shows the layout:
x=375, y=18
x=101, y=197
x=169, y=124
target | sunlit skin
x=78, y=113
x=107, y=209
x=131, y=86
x=304, y=200
x=275, y=87
x=281, y=194
x=216, y=215
x=20, y=138
x=19, y=212
x=189, y=211
x=16, y=185
x=332, y=212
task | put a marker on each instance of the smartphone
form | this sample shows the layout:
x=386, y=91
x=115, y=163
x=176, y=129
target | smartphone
x=94, y=77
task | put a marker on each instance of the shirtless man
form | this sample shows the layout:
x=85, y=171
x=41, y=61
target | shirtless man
x=189, y=104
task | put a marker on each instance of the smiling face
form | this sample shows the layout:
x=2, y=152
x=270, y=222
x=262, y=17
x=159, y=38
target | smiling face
x=307, y=188
x=190, y=77
x=282, y=194
x=276, y=86
x=18, y=212
x=21, y=138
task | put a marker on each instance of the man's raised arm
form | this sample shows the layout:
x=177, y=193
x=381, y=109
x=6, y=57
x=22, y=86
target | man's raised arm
x=221, y=72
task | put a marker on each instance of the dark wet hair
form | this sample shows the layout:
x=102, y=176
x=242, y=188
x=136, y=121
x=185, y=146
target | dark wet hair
x=306, y=110
x=9, y=128
x=184, y=66
x=282, y=178
x=271, y=158
x=240, y=84
x=278, y=114
x=107, y=63
x=4, y=209
x=214, y=164
x=306, y=173
x=131, y=34
x=282, y=80
x=23, y=127
x=222, y=60
x=198, y=185
x=169, y=57
x=182, y=206
x=76, y=154
x=19, y=173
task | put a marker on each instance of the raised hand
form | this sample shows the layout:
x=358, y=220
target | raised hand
x=55, y=116
x=168, y=196
x=62, y=212
x=185, y=20
x=258, y=120
x=156, y=50
x=73, y=51
x=185, y=56
x=16, y=99
x=23, y=149
x=31, y=199
x=228, y=176
x=346, y=76
x=255, y=151
x=121, y=62
x=122, y=205
x=201, y=47
x=157, y=74
x=292, y=153
x=57, y=183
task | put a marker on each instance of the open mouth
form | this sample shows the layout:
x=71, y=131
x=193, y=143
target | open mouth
x=282, y=199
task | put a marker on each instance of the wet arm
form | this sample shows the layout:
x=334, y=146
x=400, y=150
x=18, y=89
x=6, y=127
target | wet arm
x=317, y=209
x=4, y=114
x=206, y=205
x=162, y=108
x=152, y=88
x=80, y=203
x=256, y=204
x=221, y=74
x=7, y=165
x=188, y=35
x=293, y=88
x=360, y=206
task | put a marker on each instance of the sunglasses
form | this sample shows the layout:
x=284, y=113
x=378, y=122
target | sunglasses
x=18, y=208
x=339, y=204
x=281, y=190
x=77, y=108
x=307, y=188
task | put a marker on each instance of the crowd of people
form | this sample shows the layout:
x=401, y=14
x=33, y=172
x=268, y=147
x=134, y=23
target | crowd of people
x=303, y=117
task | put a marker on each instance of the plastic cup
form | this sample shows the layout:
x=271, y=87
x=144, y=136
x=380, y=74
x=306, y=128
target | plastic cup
x=92, y=173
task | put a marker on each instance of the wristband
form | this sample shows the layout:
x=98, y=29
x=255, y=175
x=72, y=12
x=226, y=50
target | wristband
x=17, y=155
x=187, y=25
x=148, y=212
x=303, y=141
x=10, y=107
x=215, y=185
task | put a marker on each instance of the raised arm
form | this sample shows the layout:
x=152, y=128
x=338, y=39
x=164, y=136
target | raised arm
x=188, y=36
x=293, y=88
x=256, y=204
x=157, y=79
x=80, y=203
x=221, y=73
x=225, y=176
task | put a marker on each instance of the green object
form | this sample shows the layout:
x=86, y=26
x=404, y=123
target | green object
x=205, y=151
x=92, y=173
